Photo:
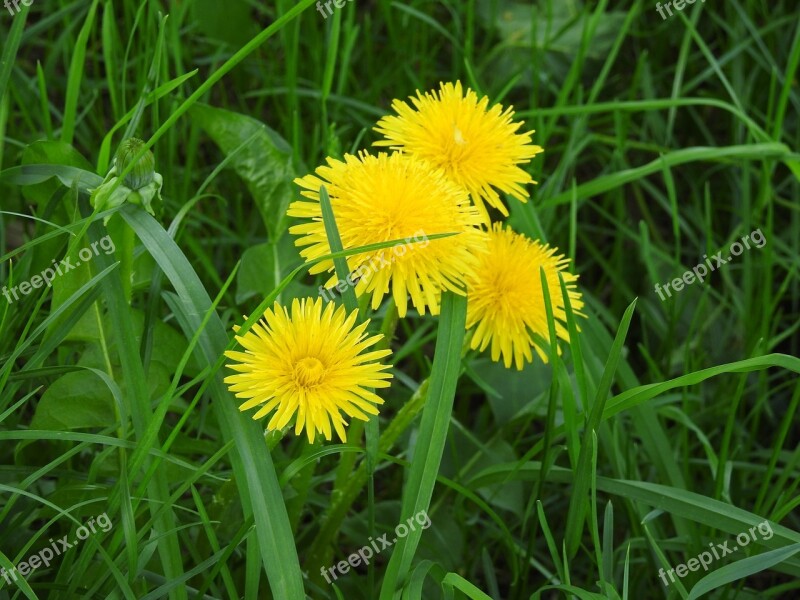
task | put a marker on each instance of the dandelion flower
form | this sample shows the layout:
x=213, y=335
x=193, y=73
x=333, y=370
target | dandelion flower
x=391, y=197
x=477, y=146
x=505, y=298
x=312, y=364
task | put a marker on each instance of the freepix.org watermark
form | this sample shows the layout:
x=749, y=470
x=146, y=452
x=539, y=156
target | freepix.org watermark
x=327, y=5
x=375, y=264
x=15, y=3
x=364, y=555
x=700, y=272
x=56, y=548
x=704, y=559
x=47, y=276
x=676, y=4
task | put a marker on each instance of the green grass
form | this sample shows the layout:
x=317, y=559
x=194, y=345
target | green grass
x=664, y=427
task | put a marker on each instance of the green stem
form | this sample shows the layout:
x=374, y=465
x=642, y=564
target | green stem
x=124, y=240
x=321, y=551
x=433, y=434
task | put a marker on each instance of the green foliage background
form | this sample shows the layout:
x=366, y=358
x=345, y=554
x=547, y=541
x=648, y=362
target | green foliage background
x=668, y=426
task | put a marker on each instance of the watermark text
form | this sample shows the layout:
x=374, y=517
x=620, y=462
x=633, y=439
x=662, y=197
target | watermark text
x=365, y=554
x=699, y=272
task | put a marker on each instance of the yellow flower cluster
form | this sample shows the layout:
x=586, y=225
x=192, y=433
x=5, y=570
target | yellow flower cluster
x=452, y=154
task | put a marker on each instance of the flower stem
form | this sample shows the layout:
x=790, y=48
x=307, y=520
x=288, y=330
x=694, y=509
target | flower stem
x=321, y=551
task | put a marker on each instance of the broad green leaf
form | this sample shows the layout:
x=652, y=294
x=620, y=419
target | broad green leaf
x=74, y=273
x=229, y=22
x=45, y=152
x=557, y=28
x=83, y=179
x=257, y=276
x=60, y=210
x=555, y=31
x=75, y=401
x=508, y=496
x=514, y=394
x=265, y=164
x=168, y=346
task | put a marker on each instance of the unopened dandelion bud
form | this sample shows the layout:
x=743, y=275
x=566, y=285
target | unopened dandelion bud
x=143, y=171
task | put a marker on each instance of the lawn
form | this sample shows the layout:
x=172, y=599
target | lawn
x=399, y=300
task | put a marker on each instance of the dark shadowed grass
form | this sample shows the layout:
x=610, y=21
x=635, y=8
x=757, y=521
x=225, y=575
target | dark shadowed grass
x=668, y=425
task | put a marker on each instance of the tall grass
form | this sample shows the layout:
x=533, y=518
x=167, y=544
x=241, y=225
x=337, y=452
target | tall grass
x=666, y=426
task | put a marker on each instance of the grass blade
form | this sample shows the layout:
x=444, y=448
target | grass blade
x=252, y=463
x=578, y=499
x=432, y=436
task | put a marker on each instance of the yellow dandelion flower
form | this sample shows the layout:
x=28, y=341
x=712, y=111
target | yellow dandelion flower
x=477, y=146
x=381, y=198
x=505, y=298
x=311, y=364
